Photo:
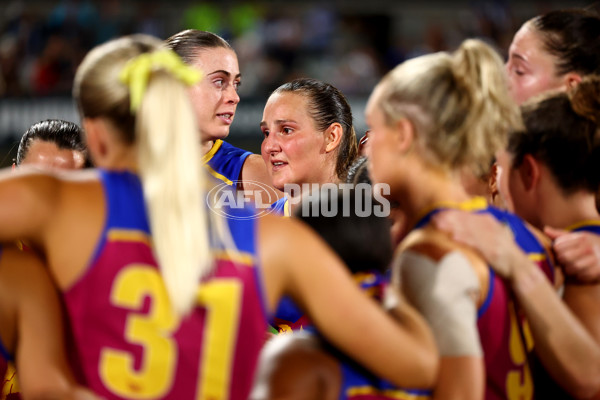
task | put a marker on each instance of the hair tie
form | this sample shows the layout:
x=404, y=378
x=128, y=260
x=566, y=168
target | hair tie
x=137, y=71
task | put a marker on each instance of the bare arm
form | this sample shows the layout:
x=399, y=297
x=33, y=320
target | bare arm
x=40, y=354
x=460, y=378
x=27, y=203
x=296, y=262
x=564, y=346
x=255, y=170
x=444, y=291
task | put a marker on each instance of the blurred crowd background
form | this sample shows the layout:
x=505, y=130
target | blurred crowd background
x=350, y=44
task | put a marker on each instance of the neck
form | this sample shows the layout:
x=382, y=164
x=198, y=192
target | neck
x=295, y=197
x=206, y=146
x=122, y=158
x=563, y=211
x=426, y=189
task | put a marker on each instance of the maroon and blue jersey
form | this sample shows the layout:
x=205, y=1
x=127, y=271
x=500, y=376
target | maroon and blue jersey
x=225, y=161
x=7, y=372
x=547, y=387
x=357, y=382
x=129, y=343
x=503, y=331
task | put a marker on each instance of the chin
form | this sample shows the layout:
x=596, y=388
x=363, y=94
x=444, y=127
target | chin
x=279, y=184
x=215, y=135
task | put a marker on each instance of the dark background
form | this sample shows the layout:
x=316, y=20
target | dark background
x=350, y=44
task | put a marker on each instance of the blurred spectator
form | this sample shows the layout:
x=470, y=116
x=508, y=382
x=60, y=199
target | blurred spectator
x=53, y=70
x=349, y=44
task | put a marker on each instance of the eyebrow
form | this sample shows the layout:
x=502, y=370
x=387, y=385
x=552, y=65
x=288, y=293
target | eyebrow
x=279, y=122
x=520, y=57
x=222, y=71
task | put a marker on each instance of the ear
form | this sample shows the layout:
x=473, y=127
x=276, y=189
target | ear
x=333, y=136
x=571, y=80
x=530, y=172
x=95, y=137
x=406, y=134
x=493, y=181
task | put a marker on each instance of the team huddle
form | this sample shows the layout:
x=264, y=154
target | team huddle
x=481, y=280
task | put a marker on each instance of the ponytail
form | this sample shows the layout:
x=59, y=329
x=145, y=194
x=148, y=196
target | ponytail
x=491, y=114
x=169, y=168
x=150, y=108
x=458, y=103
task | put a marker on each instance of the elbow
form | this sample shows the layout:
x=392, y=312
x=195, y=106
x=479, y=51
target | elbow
x=586, y=385
x=587, y=390
x=433, y=371
x=427, y=366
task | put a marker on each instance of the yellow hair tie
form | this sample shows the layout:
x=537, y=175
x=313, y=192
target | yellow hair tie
x=137, y=71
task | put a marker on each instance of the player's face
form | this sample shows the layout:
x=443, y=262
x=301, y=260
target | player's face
x=503, y=174
x=215, y=97
x=292, y=148
x=531, y=69
x=45, y=154
x=518, y=198
x=380, y=149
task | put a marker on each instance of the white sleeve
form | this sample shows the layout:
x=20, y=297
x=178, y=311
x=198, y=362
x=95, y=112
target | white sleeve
x=445, y=293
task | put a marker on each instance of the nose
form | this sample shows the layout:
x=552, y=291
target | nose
x=232, y=95
x=269, y=146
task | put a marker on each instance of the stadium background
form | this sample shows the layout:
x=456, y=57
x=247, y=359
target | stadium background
x=350, y=44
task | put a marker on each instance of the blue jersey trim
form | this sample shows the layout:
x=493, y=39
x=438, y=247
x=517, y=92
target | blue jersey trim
x=280, y=207
x=490, y=294
x=228, y=160
x=258, y=275
x=588, y=228
x=124, y=208
x=4, y=353
x=102, y=239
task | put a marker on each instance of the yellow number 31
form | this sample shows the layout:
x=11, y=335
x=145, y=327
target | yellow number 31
x=154, y=332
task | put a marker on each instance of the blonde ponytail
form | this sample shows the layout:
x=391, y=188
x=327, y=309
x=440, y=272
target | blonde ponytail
x=139, y=86
x=169, y=168
x=458, y=103
x=491, y=113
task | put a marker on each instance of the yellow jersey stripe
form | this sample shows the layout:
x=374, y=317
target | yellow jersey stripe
x=473, y=204
x=128, y=235
x=213, y=150
x=590, y=222
x=218, y=175
x=132, y=235
x=392, y=394
x=537, y=256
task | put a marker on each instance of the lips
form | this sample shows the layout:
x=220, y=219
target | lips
x=226, y=117
x=277, y=165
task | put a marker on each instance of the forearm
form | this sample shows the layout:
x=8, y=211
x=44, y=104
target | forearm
x=460, y=378
x=408, y=317
x=566, y=349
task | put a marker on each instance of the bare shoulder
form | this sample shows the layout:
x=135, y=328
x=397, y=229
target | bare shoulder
x=458, y=261
x=436, y=244
x=254, y=168
x=284, y=235
x=255, y=171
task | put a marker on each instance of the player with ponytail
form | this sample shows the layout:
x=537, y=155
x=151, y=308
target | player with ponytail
x=165, y=297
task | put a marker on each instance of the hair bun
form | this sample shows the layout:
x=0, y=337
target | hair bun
x=585, y=98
